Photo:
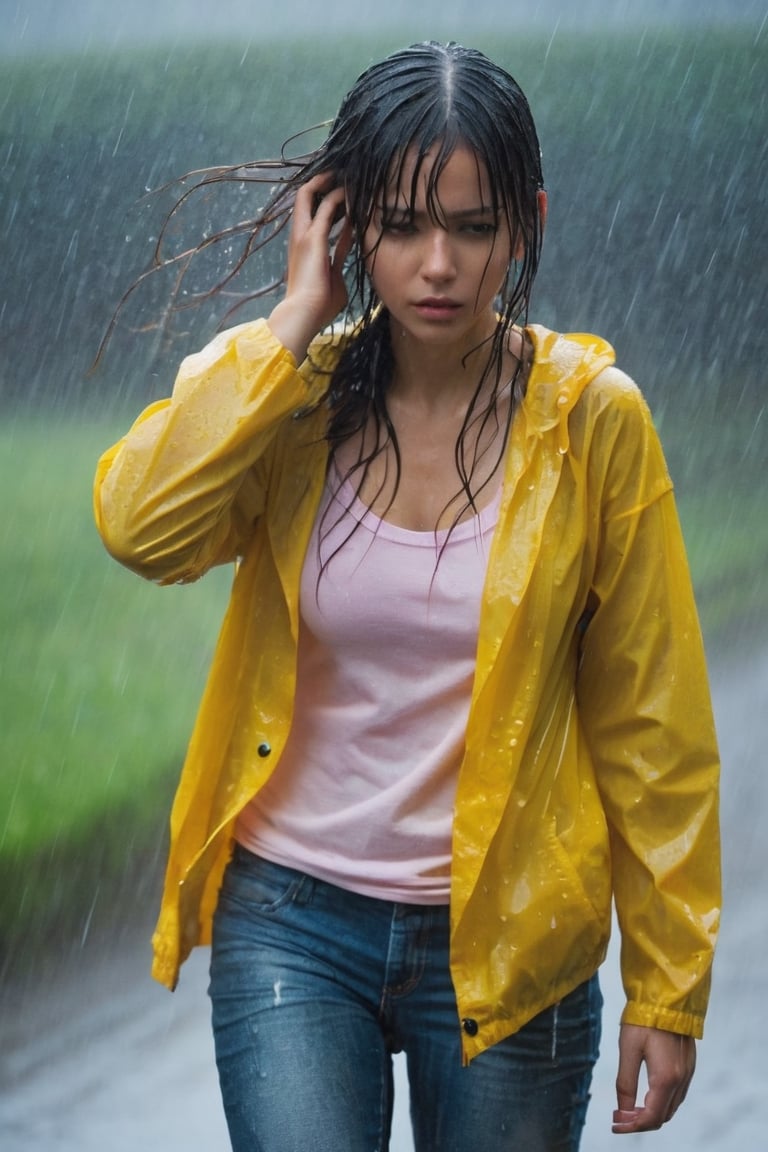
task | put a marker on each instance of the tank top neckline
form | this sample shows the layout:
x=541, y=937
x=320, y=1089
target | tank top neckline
x=344, y=494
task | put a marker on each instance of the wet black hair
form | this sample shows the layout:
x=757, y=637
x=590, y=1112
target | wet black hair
x=429, y=99
x=426, y=99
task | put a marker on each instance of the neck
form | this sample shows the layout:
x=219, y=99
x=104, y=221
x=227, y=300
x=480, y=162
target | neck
x=438, y=375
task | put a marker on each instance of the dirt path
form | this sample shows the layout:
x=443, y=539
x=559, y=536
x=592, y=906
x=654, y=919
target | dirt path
x=95, y=1056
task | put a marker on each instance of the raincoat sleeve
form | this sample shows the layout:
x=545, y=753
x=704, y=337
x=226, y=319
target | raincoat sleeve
x=645, y=705
x=181, y=491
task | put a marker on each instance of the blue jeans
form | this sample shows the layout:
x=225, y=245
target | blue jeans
x=313, y=988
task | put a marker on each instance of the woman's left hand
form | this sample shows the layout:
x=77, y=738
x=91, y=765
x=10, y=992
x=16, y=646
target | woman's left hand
x=670, y=1060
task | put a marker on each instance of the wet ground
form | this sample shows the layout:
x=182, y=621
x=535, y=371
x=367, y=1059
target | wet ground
x=95, y=1056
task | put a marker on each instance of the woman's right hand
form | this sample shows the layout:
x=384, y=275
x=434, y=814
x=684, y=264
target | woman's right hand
x=315, y=289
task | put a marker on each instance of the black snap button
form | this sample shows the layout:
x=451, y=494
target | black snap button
x=470, y=1026
x=263, y=750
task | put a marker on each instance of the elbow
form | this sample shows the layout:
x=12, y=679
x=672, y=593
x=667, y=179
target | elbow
x=143, y=560
x=113, y=528
x=137, y=545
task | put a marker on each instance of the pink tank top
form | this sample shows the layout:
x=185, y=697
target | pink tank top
x=363, y=793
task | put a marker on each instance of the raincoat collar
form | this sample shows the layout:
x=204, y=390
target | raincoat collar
x=562, y=367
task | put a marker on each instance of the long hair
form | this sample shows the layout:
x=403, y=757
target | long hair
x=426, y=99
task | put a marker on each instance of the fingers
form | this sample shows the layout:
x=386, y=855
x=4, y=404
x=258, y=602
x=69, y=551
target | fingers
x=627, y=1079
x=318, y=207
x=670, y=1061
x=657, y=1109
x=318, y=203
x=315, y=287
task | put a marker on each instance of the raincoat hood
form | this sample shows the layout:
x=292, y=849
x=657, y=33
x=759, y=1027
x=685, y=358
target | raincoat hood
x=562, y=368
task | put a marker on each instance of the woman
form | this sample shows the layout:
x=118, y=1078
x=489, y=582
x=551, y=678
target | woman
x=459, y=700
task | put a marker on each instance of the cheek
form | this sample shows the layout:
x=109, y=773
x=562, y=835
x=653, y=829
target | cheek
x=385, y=268
x=495, y=273
x=492, y=262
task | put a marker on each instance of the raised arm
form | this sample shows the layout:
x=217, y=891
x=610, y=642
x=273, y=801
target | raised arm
x=180, y=492
x=177, y=494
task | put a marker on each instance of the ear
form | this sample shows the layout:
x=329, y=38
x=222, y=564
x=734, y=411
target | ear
x=543, y=203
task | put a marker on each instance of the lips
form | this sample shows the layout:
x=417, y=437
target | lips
x=437, y=307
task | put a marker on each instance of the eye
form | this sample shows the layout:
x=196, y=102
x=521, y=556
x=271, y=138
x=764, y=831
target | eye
x=398, y=225
x=479, y=228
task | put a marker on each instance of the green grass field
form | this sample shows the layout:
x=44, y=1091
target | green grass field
x=716, y=456
x=100, y=670
x=99, y=673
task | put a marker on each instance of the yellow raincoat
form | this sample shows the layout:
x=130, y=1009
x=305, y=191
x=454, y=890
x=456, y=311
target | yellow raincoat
x=591, y=762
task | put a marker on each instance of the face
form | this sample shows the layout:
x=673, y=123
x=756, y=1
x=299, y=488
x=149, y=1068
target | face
x=438, y=278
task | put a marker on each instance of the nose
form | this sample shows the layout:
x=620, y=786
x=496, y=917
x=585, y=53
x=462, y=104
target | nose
x=438, y=262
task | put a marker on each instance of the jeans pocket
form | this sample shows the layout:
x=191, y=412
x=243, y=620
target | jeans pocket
x=260, y=885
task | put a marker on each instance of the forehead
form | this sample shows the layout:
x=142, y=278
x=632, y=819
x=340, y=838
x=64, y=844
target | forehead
x=418, y=178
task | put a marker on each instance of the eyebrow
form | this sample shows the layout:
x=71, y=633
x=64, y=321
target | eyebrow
x=459, y=214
